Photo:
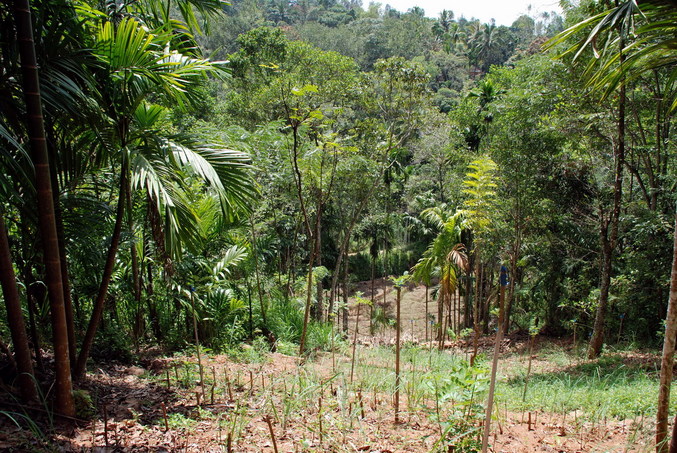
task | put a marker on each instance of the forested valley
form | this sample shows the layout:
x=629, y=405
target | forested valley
x=317, y=225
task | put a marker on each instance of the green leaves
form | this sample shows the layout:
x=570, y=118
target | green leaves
x=137, y=63
x=445, y=256
x=479, y=186
x=304, y=90
x=622, y=50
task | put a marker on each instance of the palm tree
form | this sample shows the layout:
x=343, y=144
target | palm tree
x=481, y=42
x=45, y=201
x=135, y=65
x=444, y=258
x=15, y=319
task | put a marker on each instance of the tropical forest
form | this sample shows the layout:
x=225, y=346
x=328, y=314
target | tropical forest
x=334, y=226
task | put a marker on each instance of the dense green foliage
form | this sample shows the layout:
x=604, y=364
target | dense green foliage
x=331, y=144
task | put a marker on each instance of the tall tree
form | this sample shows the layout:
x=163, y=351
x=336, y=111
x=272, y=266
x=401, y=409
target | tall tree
x=15, y=319
x=47, y=223
x=138, y=65
x=618, y=62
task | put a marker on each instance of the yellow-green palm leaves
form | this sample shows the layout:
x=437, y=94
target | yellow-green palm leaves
x=446, y=256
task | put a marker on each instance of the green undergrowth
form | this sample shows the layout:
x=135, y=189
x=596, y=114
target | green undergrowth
x=614, y=386
x=441, y=388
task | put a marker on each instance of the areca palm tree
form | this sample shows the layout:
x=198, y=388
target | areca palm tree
x=444, y=258
x=135, y=65
x=45, y=202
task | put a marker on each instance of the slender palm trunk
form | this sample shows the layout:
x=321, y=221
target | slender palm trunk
x=15, y=318
x=609, y=229
x=61, y=235
x=256, y=272
x=136, y=274
x=65, y=281
x=99, y=303
x=46, y=221
x=152, y=308
x=426, y=312
x=440, y=314
x=32, y=325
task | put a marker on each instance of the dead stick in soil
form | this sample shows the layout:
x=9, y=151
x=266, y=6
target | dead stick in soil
x=197, y=346
x=169, y=384
x=164, y=416
x=398, y=328
x=319, y=416
x=105, y=424
x=229, y=443
x=531, y=356
x=494, y=365
x=529, y=422
x=272, y=434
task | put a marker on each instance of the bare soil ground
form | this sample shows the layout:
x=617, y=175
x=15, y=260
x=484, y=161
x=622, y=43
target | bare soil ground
x=133, y=421
x=159, y=406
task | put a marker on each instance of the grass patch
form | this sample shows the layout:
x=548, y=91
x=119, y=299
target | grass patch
x=614, y=386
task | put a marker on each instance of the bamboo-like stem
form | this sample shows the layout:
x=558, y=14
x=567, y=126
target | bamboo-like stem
x=197, y=346
x=494, y=365
x=272, y=434
x=397, y=357
x=357, y=328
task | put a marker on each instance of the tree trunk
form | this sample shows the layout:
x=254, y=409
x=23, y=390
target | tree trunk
x=61, y=235
x=440, y=315
x=345, y=299
x=15, y=318
x=494, y=365
x=256, y=272
x=136, y=274
x=597, y=339
x=667, y=358
x=319, y=309
x=152, y=308
x=309, y=298
x=100, y=301
x=373, y=295
x=46, y=221
x=476, y=310
x=608, y=245
x=511, y=288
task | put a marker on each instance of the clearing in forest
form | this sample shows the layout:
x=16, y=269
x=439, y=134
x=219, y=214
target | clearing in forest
x=253, y=401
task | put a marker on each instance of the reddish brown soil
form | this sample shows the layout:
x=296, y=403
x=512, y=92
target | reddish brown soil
x=130, y=404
